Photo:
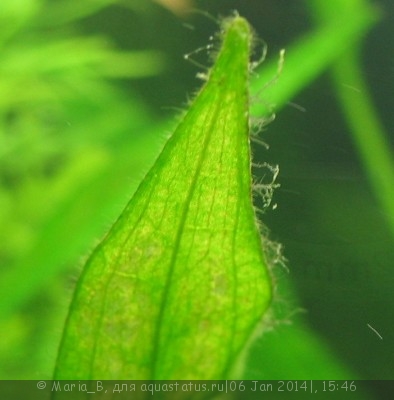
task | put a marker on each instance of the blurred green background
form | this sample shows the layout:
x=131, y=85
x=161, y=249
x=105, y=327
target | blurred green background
x=89, y=91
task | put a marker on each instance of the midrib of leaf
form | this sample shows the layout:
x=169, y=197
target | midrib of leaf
x=167, y=288
x=179, y=284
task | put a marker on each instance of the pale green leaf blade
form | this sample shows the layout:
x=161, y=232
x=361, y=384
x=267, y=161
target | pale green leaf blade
x=180, y=282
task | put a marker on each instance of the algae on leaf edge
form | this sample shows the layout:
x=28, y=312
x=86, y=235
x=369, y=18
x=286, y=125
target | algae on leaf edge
x=180, y=282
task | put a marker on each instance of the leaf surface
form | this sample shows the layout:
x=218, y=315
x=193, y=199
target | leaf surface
x=180, y=283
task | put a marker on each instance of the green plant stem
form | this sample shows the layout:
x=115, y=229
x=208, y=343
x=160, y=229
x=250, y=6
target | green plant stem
x=366, y=129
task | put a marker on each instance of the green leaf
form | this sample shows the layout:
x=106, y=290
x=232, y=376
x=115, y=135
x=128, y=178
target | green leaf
x=309, y=56
x=180, y=283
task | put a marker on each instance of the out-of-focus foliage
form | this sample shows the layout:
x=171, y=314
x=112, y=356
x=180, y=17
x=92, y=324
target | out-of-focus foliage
x=60, y=118
x=61, y=124
x=368, y=132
